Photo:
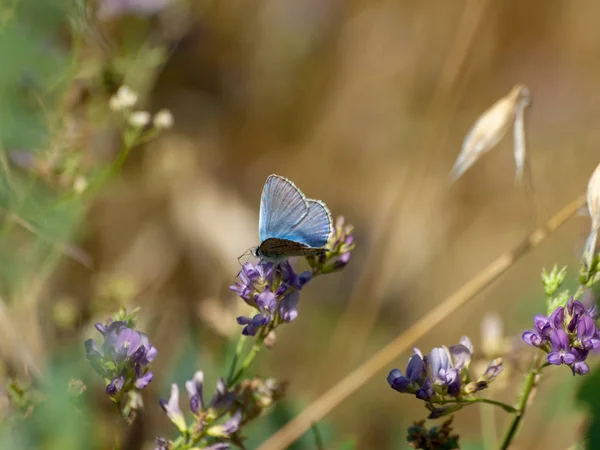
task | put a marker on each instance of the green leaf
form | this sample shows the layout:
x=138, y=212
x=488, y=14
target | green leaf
x=589, y=395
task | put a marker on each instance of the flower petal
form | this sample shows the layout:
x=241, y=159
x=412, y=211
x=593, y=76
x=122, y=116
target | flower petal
x=557, y=318
x=532, y=339
x=461, y=356
x=415, y=370
x=194, y=389
x=144, y=380
x=438, y=361
x=559, y=340
x=172, y=409
x=115, y=386
x=555, y=358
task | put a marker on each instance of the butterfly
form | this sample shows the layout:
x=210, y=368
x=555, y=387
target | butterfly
x=290, y=224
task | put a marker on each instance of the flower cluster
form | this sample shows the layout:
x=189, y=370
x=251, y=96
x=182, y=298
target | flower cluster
x=208, y=427
x=124, y=101
x=441, y=374
x=273, y=290
x=567, y=335
x=339, y=249
x=123, y=359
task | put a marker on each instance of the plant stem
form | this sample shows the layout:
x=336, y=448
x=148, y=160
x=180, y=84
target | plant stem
x=506, y=407
x=249, y=358
x=528, y=385
x=235, y=359
x=318, y=437
x=488, y=427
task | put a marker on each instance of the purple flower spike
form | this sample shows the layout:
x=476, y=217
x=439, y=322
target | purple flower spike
x=123, y=358
x=273, y=290
x=568, y=335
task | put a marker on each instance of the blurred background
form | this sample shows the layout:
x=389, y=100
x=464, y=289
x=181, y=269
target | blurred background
x=363, y=104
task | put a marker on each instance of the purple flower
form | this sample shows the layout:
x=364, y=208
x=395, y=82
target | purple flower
x=567, y=335
x=288, y=307
x=426, y=391
x=339, y=249
x=144, y=380
x=194, y=390
x=587, y=333
x=115, y=386
x=123, y=358
x=273, y=290
x=171, y=408
x=561, y=349
x=533, y=339
x=441, y=373
x=415, y=374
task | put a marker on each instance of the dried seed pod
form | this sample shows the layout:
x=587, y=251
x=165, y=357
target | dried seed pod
x=593, y=203
x=491, y=127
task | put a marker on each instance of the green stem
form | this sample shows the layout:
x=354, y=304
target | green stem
x=506, y=407
x=528, y=385
x=250, y=358
x=489, y=433
x=463, y=401
x=235, y=359
x=318, y=437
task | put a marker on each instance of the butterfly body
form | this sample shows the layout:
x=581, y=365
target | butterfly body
x=277, y=250
x=290, y=224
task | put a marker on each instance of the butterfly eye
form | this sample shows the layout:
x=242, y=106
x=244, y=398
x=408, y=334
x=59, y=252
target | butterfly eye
x=254, y=252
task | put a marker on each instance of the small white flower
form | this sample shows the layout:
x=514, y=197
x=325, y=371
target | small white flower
x=80, y=184
x=163, y=119
x=123, y=99
x=139, y=119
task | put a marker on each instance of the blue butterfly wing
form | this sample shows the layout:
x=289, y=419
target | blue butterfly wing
x=287, y=214
x=282, y=207
x=315, y=227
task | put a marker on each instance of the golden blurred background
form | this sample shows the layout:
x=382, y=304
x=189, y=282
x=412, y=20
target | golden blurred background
x=363, y=104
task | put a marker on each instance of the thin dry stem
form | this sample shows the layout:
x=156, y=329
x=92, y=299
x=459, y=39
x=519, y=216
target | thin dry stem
x=352, y=382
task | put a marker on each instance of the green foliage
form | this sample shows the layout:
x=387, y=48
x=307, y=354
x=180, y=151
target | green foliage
x=589, y=396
